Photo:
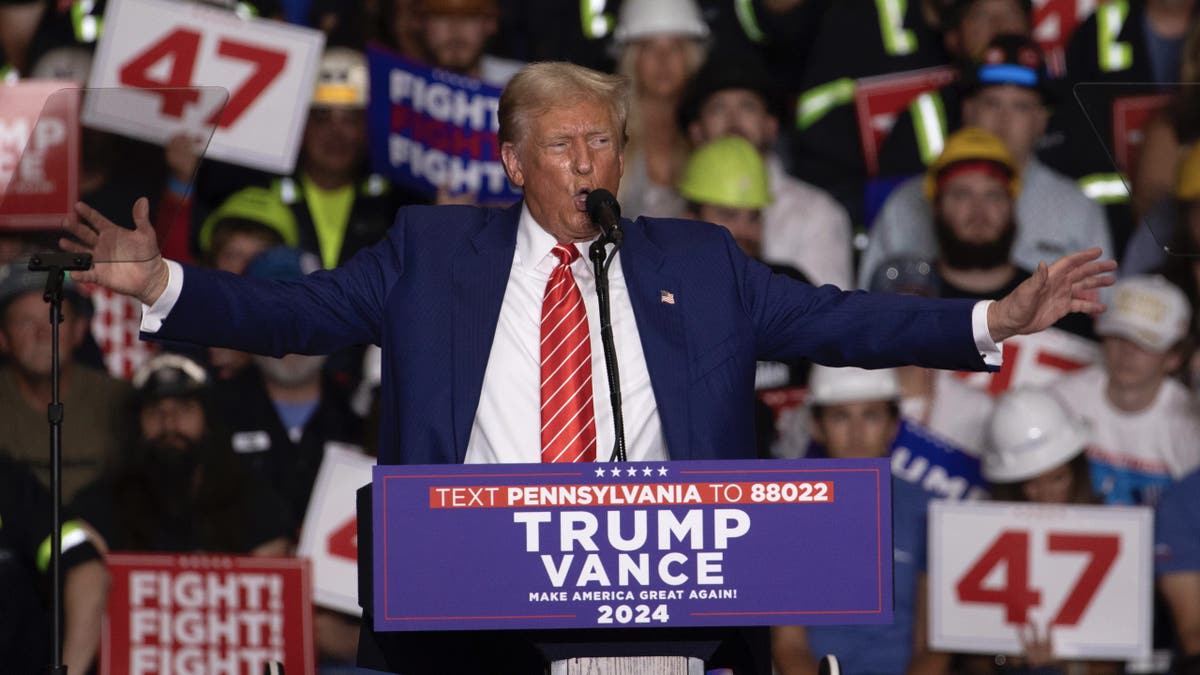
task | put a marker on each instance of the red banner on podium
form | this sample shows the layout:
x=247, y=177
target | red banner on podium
x=207, y=615
x=39, y=154
x=878, y=100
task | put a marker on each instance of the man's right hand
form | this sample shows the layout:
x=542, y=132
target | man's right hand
x=126, y=261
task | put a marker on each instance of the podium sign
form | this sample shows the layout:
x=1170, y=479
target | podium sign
x=636, y=544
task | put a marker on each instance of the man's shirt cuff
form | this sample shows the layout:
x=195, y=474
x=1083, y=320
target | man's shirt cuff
x=154, y=315
x=989, y=351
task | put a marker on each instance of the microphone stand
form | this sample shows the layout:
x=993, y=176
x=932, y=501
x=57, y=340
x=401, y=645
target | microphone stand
x=56, y=265
x=597, y=254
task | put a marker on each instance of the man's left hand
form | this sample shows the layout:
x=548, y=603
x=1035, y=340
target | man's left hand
x=1070, y=284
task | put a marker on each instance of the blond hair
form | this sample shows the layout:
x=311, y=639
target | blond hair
x=542, y=86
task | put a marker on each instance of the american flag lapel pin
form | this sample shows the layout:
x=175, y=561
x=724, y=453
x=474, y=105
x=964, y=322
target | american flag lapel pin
x=667, y=297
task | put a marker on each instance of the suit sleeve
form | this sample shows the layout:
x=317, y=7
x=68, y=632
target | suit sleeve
x=829, y=326
x=321, y=313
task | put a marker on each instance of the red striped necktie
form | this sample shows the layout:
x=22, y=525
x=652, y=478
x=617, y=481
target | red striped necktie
x=568, y=421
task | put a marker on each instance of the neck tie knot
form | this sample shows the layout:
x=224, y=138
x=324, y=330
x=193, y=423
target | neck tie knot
x=566, y=253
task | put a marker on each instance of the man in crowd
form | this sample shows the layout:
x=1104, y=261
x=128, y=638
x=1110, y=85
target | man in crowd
x=456, y=34
x=176, y=486
x=331, y=206
x=280, y=412
x=856, y=413
x=92, y=400
x=1007, y=98
x=802, y=226
x=1144, y=422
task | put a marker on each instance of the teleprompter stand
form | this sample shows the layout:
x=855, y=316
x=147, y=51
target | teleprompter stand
x=56, y=266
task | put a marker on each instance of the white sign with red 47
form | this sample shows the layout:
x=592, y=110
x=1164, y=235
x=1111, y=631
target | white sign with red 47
x=184, y=57
x=329, y=537
x=1083, y=573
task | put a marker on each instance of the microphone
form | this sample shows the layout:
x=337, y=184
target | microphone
x=605, y=212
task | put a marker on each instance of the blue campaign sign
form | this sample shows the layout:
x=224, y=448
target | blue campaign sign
x=931, y=463
x=718, y=543
x=430, y=129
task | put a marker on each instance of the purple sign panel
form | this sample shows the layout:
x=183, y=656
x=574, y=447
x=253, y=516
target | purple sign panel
x=758, y=542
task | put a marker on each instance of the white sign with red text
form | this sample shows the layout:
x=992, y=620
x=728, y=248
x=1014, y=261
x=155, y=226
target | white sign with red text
x=1082, y=572
x=1036, y=360
x=39, y=153
x=329, y=537
x=185, y=57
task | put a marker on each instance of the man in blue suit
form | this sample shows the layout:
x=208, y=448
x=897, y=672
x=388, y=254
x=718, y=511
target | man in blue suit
x=453, y=295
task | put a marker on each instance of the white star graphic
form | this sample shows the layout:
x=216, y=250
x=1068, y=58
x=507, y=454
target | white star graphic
x=600, y=472
x=662, y=471
x=631, y=472
x=647, y=471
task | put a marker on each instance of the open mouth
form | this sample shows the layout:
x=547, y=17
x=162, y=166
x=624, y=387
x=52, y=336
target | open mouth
x=581, y=198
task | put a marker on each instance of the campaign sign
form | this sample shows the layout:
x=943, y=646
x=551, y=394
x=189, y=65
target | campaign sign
x=206, y=615
x=191, y=68
x=879, y=99
x=1130, y=116
x=1053, y=23
x=632, y=544
x=1084, y=573
x=434, y=130
x=1036, y=360
x=920, y=458
x=39, y=153
x=329, y=537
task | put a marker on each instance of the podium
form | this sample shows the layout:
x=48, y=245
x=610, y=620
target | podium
x=442, y=554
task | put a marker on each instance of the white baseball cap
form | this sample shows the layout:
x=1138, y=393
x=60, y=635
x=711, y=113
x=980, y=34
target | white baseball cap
x=830, y=386
x=1148, y=310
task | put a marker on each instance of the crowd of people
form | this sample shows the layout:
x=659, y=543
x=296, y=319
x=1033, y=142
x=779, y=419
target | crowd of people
x=743, y=113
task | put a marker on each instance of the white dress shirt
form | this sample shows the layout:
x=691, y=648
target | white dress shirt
x=507, y=425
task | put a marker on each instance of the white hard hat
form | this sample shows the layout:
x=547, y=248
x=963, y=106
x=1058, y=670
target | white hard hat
x=1029, y=433
x=828, y=386
x=341, y=79
x=643, y=18
x=1149, y=310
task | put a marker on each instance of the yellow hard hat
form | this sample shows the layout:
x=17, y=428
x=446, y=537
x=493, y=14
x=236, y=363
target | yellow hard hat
x=257, y=204
x=970, y=145
x=341, y=79
x=726, y=172
x=1187, y=183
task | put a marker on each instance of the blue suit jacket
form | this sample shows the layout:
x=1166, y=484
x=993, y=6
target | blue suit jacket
x=430, y=295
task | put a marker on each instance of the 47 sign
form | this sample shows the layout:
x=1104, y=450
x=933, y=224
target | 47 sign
x=192, y=68
x=1082, y=571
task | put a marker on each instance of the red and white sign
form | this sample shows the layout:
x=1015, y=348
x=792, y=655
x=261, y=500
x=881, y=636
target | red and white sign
x=1036, y=360
x=188, y=68
x=1083, y=572
x=878, y=100
x=329, y=537
x=39, y=153
x=1054, y=21
x=206, y=615
x=1130, y=116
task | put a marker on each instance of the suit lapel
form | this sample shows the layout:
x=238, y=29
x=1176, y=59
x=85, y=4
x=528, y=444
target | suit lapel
x=479, y=278
x=660, y=325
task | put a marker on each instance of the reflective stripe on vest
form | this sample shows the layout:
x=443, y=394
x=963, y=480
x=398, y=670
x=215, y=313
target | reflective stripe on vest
x=749, y=22
x=1110, y=19
x=897, y=40
x=929, y=125
x=1105, y=188
x=73, y=535
x=86, y=25
x=818, y=101
x=596, y=22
